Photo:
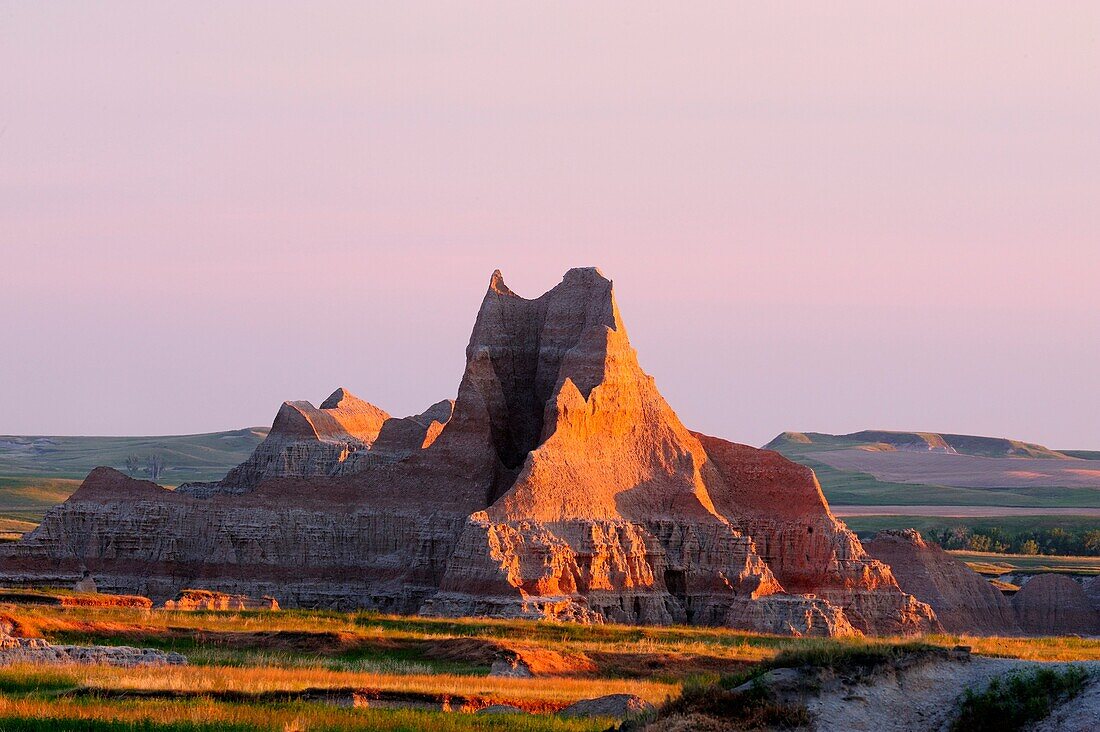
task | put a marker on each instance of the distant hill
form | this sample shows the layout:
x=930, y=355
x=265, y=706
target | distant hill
x=881, y=467
x=37, y=472
x=885, y=440
x=206, y=456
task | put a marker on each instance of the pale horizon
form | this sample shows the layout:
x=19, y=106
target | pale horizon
x=867, y=218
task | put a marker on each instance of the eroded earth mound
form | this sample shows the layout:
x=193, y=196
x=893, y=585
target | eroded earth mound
x=964, y=601
x=558, y=484
x=1053, y=604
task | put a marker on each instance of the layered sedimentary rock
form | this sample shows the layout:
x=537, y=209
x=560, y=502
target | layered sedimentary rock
x=1053, y=604
x=207, y=600
x=19, y=650
x=304, y=441
x=964, y=601
x=558, y=483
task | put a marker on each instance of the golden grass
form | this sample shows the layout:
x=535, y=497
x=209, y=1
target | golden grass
x=32, y=690
x=1055, y=648
x=16, y=526
x=302, y=717
x=732, y=645
x=253, y=680
x=989, y=563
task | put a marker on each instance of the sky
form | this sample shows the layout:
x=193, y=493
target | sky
x=818, y=216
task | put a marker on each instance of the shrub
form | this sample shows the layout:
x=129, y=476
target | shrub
x=1019, y=699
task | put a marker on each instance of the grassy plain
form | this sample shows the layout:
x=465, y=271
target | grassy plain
x=852, y=487
x=867, y=526
x=993, y=564
x=186, y=457
x=37, y=473
x=273, y=670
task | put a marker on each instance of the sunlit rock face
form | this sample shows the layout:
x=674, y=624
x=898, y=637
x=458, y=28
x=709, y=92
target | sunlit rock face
x=557, y=484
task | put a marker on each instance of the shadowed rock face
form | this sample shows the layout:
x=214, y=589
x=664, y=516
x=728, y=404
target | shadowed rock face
x=304, y=441
x=558, y=483
x=1053, y=604
x=963, y=600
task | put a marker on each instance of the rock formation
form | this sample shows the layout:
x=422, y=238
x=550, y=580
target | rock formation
x=616, y=706
x=19, y=650
x=207, y=600
x=1053, y=604
x=964, y=601
x=304, y=441
x=558, y=484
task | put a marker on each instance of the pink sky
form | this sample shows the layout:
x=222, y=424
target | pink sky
x=815, y=219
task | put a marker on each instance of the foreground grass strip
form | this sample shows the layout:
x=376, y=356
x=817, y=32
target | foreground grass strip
x=1021, y=698
x=528, y=693
x=388, y=644
x=1051, y=648
x=207, y=715
x=37, y=724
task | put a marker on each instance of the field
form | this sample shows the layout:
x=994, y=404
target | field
x=24, y=500
x=990, y=563
x=857, y=472
x=39, y=472
x=867, y=526
x=303, y=670
x=186, y=457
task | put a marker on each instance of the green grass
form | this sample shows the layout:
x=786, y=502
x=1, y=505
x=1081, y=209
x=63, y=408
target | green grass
x=858, y=659
x=37, y=724
x=854, y=488
x=366, y=720
x=975, y=445
x=867, y=526
x=38, y=711
x=1082, y=454
x=26, y=499
x=1021, y=699
x=34, y=683
x=863, y=489
x=91, y=696
x=38, y=473
x=203, y=651
x=187, y=457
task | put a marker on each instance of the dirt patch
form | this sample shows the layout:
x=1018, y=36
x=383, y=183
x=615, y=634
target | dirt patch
x=923, y=697
x=646, y=665
x=324, y=643
x=1080, y=714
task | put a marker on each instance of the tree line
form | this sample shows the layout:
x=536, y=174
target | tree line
x=1054, y=542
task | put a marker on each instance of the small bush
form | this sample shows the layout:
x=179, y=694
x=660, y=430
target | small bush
x=851, y=659
x=1021, y=698
x=756, y=708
